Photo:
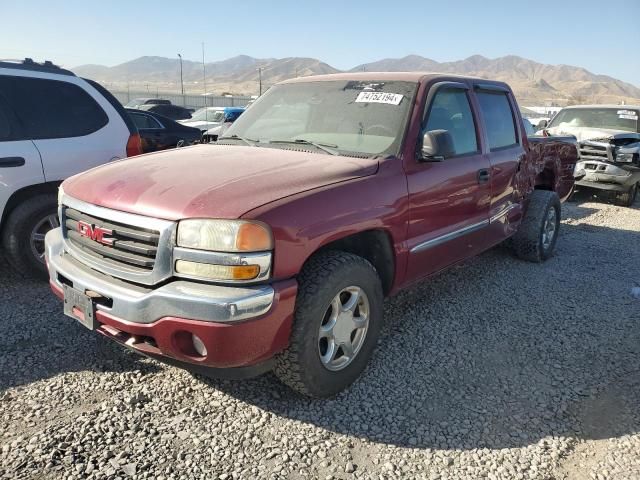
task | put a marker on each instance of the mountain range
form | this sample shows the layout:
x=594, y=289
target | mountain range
x=533, y=82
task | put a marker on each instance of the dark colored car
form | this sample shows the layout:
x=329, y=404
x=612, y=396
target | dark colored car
x=274, y=248
x=159, y=133
x=174, y=112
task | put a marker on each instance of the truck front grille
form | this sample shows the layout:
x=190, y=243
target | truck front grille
x=595, y=151
x=128, y=245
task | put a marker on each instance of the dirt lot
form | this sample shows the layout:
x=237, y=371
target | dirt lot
x=495, y=369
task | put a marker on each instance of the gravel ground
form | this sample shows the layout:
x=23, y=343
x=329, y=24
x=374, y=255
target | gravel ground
x=495, y=369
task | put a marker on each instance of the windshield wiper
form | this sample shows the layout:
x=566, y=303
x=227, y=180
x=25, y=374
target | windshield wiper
x=248, y=141
x=326, y=147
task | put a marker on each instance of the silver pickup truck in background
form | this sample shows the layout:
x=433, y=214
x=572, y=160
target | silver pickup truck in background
x=609, y=146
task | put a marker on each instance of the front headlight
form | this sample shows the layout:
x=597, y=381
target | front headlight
x=625, y=157
x=228, y=251
x=224, y=235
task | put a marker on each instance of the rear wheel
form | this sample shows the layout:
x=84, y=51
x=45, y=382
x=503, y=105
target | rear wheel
x=24, y=231
x=628, y=198
x=536, y=237
x=337, y=323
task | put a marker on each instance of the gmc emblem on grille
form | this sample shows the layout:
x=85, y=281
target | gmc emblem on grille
x=95, y=233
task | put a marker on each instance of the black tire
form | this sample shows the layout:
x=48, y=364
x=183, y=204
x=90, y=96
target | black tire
x=322, y=278
x=528, y=240
x=628, y=198
x=16, y=235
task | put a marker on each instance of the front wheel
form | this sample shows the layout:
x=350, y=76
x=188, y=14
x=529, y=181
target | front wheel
x=336, y=326
x=627, y=199
x=537, y=235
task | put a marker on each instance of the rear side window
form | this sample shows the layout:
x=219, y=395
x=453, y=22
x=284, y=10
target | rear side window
x=498, y=119
x=450, y=111
x=52, y=109
x=144, y=121
x=5, y=126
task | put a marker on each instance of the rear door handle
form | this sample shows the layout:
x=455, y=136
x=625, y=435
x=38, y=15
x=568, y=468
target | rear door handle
x=7, y=162
x=484, y=175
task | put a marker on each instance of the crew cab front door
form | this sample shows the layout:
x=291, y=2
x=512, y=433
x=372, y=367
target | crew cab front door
x=449, y=199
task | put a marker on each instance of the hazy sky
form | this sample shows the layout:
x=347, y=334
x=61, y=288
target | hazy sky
x=600, y=35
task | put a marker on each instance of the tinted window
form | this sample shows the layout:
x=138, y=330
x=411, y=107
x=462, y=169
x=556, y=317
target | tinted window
x=450, y=111
x=5, y=127
x=52, y=109
x=498, y=119
x=144, y=121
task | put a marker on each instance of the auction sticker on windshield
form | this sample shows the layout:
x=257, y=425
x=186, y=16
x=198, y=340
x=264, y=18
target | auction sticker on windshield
x=379, y=97
x=627, y=114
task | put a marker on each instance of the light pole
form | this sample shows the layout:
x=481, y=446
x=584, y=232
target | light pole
x=260, y=81
x=204, y=85
x=181, y=82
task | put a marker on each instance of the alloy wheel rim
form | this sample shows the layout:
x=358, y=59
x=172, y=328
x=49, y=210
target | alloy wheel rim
x=343, y=328
x=549, y=228
x=36, y=239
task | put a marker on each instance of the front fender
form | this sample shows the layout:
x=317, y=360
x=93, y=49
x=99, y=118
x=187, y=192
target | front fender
x=304, y=223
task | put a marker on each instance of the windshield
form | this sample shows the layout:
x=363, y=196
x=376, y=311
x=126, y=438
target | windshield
x=207, y=114
x=135, y=102
x=606, y=118
x=361, y=117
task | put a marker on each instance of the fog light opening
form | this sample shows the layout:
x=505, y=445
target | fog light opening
x=198, y=345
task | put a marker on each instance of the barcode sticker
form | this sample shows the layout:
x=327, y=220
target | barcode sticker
x=379, y=97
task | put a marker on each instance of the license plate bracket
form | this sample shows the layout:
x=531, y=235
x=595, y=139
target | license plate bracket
x=80, y=307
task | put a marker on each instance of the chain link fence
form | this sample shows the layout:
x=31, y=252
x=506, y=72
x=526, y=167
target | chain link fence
x=189, y=101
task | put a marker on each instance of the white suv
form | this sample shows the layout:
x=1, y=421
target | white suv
x=52, y=125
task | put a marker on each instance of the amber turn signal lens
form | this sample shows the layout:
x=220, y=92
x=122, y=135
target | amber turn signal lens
x=217, y=272
x=253, y=237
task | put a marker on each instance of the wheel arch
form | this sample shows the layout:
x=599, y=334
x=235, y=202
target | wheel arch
x=25, y=193
x=545, y=180
x=375, y=246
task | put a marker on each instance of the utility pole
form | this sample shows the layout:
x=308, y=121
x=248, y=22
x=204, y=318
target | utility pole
x=260, y=81
x=181, y=82
x=204, y=85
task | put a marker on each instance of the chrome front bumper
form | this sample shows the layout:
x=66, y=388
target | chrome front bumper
x=606, y=176
x=179, y=298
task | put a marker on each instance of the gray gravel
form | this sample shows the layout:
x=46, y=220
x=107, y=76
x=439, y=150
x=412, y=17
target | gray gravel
x=495, y=369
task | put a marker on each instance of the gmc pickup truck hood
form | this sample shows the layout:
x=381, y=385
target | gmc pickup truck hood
x=214, y=181
x=584, y=133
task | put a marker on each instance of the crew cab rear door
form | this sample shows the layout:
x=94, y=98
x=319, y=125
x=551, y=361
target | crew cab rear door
x=506, y=153
x=20, y=164
x=449, y=199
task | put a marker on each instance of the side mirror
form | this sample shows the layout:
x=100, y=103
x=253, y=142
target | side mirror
x=542, y=125
x=437, y=145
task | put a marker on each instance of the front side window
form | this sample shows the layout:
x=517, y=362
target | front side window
x=450, y=110
x=364, y=118
x=52, y=109
x=498, y=119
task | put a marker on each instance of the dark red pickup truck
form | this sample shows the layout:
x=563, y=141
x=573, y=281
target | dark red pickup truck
x=274, y=248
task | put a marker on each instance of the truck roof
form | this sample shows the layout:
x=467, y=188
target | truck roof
x=619, y=107
x=389, y=76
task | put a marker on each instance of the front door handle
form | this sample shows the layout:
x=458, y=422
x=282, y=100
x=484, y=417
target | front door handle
x=484, y=175
x=7, y=162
